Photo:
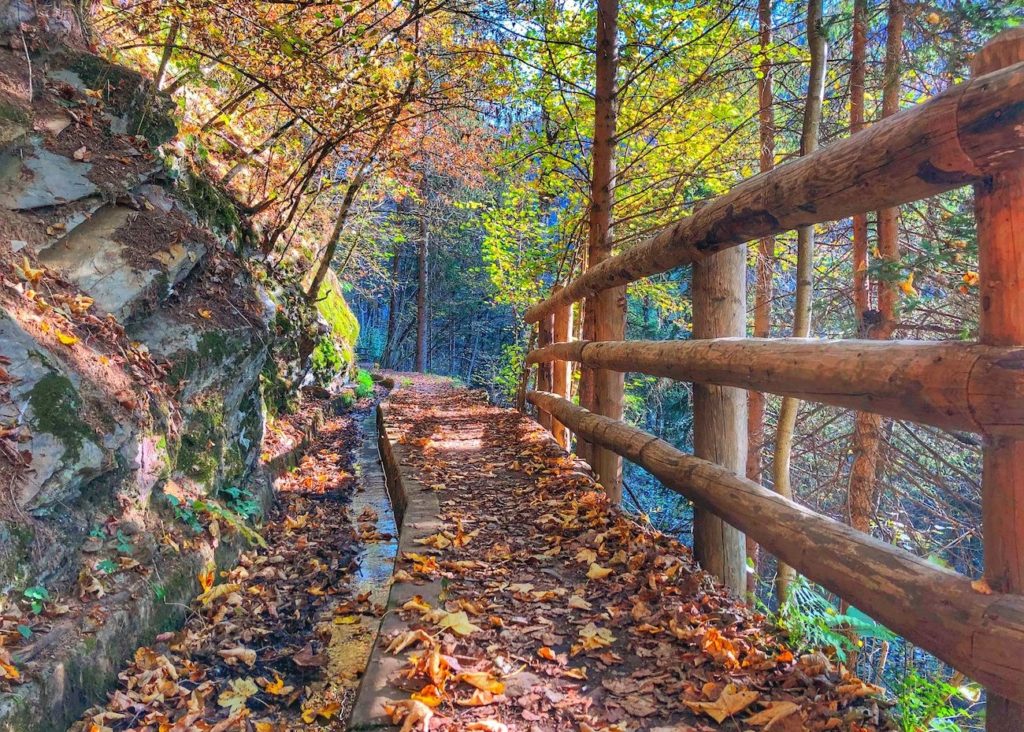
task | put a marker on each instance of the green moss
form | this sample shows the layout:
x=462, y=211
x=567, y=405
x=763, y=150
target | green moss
x=214, y=348
x=327, y=362
x=130, y=94
x=335, y=310
x=55, y=405
x=199, y=450
x=13, y=114
x=211, y=204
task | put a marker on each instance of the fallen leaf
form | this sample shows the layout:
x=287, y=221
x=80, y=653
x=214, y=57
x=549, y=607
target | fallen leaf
x=729, y=702
x=482, y=680
x=772, y=712
x=241, y=653
x=459, y=624
x=324, y=711
x=596, y=571
x=237, y=694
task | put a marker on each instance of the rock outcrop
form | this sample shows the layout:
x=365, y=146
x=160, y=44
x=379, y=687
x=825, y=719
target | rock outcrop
x=139, y=355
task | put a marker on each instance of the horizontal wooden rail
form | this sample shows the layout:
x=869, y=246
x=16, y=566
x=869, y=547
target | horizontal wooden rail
x=956, y=386
x=955, y=138
x=981, y=635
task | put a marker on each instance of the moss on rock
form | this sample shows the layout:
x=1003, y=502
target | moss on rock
x=55, y=405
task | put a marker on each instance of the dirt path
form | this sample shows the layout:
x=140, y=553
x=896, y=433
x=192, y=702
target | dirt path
x=537, y=607
x=279, y=641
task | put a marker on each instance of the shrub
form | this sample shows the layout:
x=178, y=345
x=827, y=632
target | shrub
x=364, y=384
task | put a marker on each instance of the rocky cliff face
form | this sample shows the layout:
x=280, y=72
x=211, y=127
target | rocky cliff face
x=135, y=342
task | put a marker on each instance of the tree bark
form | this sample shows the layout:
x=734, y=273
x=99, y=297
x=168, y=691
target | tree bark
x=953, y=385
x=804, y=270
x=764, y=268
x=422, y=261
x=562, y=376
x=862, y=490
x=393, y=304
x=606, y=311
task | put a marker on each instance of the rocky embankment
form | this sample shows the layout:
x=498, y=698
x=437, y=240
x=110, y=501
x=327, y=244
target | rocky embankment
x=140, y=353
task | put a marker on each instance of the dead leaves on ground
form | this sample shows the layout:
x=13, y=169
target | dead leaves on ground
x=253, y=654
x=574, y=616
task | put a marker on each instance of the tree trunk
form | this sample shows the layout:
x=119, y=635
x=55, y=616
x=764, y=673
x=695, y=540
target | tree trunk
x=422, y=252
x=765, y=268
x=805, y=268
x=862, y=489
x=606, y=311
x=332, y=243
x=393, y=304
x=172, y=37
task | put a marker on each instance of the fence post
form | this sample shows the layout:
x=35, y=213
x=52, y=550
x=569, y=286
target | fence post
x=561, y=380
x=545, y=332
x=719, y=293
x=999, y=211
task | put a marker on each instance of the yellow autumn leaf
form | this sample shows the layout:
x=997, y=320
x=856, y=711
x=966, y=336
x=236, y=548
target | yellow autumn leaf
x=8, y=671
x=429, y=695
x=772, y=712
x=325, y=711
x=28, y=272
x=578, y=602
x=596, y=571
x=277, y=687
x=907, y=286
x=418, y=604
x=215, y=593
x=205, y=314
x=592, y=637
x=482, y=680
x=479, y=698
x=237, y=694
x=458, y=623
x=66, y=338
x=208, y=575
x=971, y=278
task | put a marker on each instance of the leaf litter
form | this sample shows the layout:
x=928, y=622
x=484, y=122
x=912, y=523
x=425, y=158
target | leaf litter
x=254, y=653
x=563, y=613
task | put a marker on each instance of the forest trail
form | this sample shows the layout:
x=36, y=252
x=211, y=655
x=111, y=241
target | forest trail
x=523, y=601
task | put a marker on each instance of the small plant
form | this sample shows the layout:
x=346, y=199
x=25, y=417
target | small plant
x=928, y=704
x=37, y=596
x=241, y=501
x=159, y=592
x=364, y=384
x=185, y=514
x=812, y=621
x=405, y=381
x=107, y=566
x=124, y=543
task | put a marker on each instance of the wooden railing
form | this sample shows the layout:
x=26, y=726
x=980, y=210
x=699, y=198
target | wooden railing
x=971, y=134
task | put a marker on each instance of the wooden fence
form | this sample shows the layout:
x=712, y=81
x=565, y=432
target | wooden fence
x=973, y=134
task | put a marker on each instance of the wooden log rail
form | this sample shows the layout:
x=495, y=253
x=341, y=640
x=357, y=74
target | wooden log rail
x=971, y=134
x=955, y=386
x=952, y=140
x=935, y=608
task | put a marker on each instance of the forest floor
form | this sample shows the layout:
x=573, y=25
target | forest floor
x=279, y=641
x=535, y=606
x=559, y=612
